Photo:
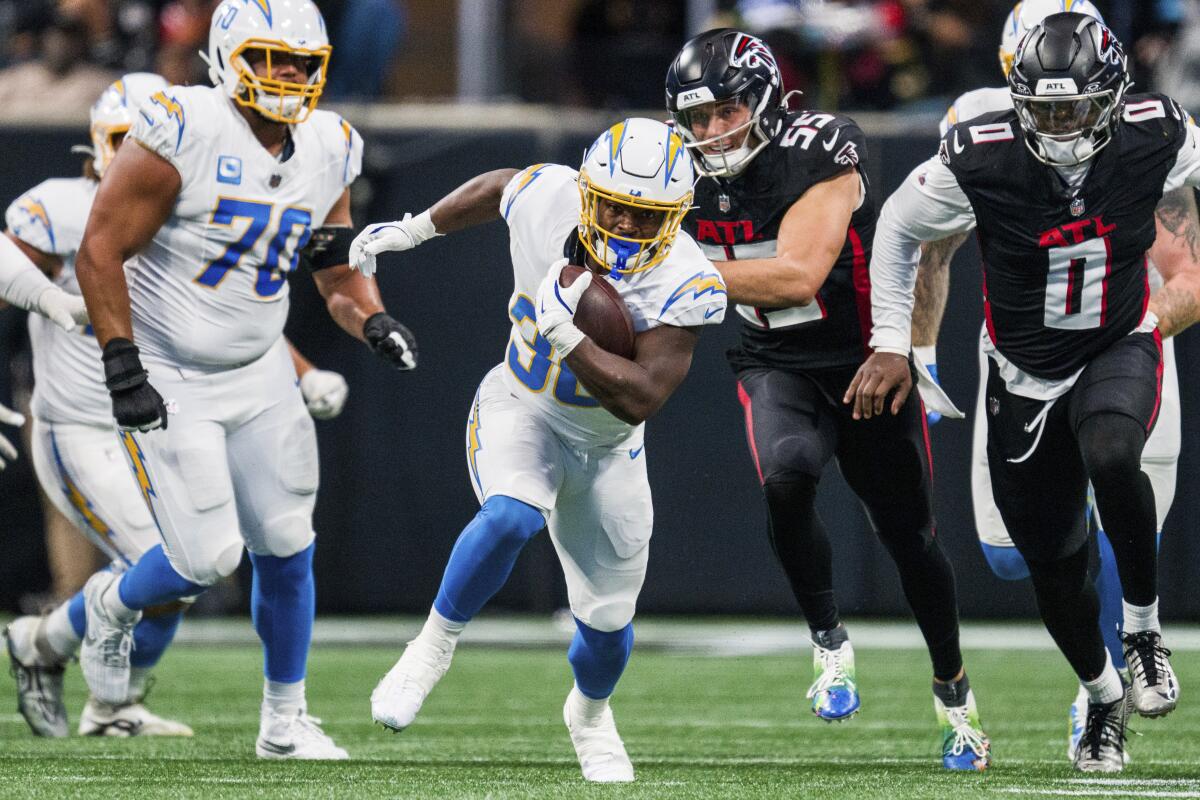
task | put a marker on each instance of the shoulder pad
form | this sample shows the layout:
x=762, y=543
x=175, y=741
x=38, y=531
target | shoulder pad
x=51, y=216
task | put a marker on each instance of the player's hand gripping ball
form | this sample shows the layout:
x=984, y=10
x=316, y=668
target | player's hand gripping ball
x=573, y=303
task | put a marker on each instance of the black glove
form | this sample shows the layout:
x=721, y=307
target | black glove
x=137, y=406
x=391, y=341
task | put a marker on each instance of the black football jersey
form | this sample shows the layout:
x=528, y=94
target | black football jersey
x=739, y=218
x=1064, y=270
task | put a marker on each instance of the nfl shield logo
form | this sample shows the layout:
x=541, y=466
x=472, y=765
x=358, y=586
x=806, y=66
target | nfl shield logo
x=1077, y=207
x=723, y=203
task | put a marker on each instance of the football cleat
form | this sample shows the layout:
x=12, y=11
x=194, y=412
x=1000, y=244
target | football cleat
x=39, y=679
x=104, y=656
x=1101, y=746
x=295, y=736
x=964, y=744
x=399, y=696
x=598, y=746
x=834, y=693
x=1152, y=681
x=132, y=719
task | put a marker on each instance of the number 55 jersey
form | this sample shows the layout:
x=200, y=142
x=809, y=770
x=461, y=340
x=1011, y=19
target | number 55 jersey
x=210, y=292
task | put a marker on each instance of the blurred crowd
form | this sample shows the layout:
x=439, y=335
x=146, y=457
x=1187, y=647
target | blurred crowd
x=62, y=53
x=844, y=54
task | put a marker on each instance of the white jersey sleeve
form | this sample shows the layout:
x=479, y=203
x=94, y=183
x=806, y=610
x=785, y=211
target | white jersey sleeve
x=51, y=216
x=539, y=200
x=700, y=297
x=171, y=126
x=928, y=206
x=973, y=103
x=1186, y=171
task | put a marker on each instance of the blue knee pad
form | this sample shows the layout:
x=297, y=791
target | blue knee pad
x=598, y=658
x=151, y=637
x=484, y=555
x=283, y=601
x=1006, y=562
x=152, y=581
x=77, y=614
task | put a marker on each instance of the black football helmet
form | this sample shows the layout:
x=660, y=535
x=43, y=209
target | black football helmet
x=1068, y=83
x=715, y=67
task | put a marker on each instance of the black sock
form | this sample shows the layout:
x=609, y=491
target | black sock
x=952, y=693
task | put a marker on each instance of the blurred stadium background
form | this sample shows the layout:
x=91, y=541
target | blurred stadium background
x=443, y=90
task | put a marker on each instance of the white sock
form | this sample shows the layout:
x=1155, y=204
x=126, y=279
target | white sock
x=1141, y=618
x=60, y=634
x=441, y=630
x=283, y=698
x=585, y=709
x=111, y=600
x=138, y=678
x=1107, y=688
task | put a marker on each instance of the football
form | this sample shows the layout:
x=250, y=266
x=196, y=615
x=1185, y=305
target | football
x=602, y=314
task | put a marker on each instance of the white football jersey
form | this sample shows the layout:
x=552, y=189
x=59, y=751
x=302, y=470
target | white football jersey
x=541, y=206
x=69, y=376
x=210, y=292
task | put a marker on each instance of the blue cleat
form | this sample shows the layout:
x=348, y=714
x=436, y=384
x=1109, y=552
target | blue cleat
x=834, y=693
x=964, y=744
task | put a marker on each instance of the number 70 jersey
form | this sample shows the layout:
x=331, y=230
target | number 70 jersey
x=210, y=292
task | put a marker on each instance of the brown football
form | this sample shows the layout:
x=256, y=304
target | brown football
x=602, y=314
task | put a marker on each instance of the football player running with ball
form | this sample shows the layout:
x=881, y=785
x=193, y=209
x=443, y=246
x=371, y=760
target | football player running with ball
x=1063, y=190
x=787, y=215
x=555, y=434
x=75, y=448
x=1174, y=275
x=225, y=188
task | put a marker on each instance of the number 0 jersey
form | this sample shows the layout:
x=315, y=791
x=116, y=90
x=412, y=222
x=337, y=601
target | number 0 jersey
x=541, y=206
x=1064, y=268
x=69, y=385
x=739, y=218
x=210, y=292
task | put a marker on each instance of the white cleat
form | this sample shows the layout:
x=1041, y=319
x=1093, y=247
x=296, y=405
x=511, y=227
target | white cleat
x=1101, y=746
x=599, y=747
x=1153, y=683
x=133, y=719
x=104, y=656
x=399, y=696
x=295, y=736
x=39, y=678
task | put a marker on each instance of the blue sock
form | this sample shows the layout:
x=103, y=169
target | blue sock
x=283, y=601
x=484, y=556
x=1006, y=562
x=77, y=613
x=1112, y=614
x=598, y=658
x=151, y=637
x=152, y=581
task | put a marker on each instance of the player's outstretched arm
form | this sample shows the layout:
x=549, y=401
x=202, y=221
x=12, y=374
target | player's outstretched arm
x=324, y=391
x=351, y=297
x=475, y=202
x=24, y=282
x=1176, y=255
x=811, y=237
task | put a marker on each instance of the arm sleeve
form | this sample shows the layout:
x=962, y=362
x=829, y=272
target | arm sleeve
x=1186, y=171
x=21, y=282
x=928, y=206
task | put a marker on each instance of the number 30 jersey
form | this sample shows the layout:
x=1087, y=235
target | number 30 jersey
x=739, y=218
x=541, y=206
x=210, y=292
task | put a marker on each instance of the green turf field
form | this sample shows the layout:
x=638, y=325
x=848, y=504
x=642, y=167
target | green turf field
x=695, y=726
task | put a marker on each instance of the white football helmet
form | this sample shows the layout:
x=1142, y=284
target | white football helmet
x=113, y=112
x=642, y=164
x=1026, y=15
x=292, y=28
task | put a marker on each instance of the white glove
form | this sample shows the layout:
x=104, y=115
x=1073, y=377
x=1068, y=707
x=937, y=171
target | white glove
x=324, y=393
x=63, y=309
x=7, y=451
x=556, y=309
x=381, y=237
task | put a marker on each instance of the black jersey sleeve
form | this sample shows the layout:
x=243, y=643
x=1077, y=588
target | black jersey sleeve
x=1156, y=128
x=973, y=145
x=820, y=146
